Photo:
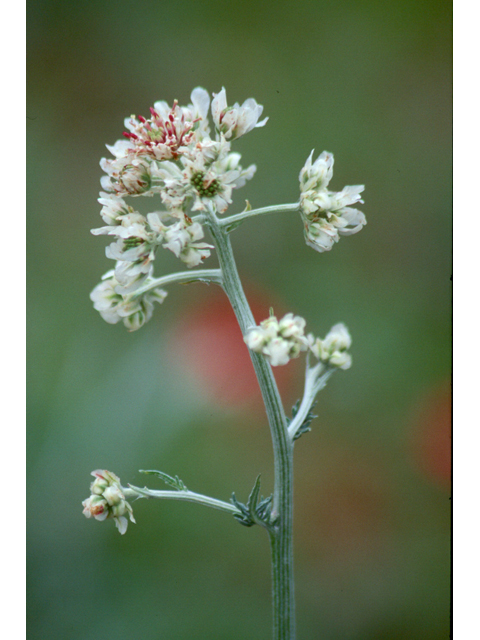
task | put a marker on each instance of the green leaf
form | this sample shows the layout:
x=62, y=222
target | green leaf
x=175, y=482
x=244, y=516
x=231, y=227
x=253, y=497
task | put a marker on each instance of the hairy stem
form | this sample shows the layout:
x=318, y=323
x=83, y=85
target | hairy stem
x=188, y=496
x=181, y=277
x=232, y=222
x=281, y=534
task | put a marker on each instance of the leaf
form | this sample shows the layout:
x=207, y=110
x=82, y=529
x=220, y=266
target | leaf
x=253, y=497
x=175, y=482
x=244, y=516
x=305, y=426
x=231, y=227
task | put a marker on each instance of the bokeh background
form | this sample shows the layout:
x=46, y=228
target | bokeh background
x=369, y=81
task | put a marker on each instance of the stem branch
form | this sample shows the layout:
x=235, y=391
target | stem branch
x=238, y=218
x=281, y=535
x=189, y=496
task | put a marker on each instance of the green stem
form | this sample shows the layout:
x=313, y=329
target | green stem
x=235, y=220
x=188, y=496
x=281, y=534
x=314, y=382
x=182, y=277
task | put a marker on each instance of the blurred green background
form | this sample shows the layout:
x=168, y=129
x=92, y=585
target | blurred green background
x=369, y=81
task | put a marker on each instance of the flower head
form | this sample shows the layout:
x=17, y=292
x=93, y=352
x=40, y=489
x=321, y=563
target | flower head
x=235, y=121
x=181, y=238
x=333, y=349
x=107, y=500
x=134, y=310
x=278, y=341
x=327, y=215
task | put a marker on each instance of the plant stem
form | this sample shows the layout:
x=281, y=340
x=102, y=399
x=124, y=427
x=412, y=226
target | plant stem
x=181, y=277
x=189, y=496
x=314, y=382
x=226, y=223
x=281, y=534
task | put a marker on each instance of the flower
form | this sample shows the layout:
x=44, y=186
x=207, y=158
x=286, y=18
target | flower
x=207, y=174
x=164, y=136
x=235, y=121
x=126, y=175
x=333, y=349
x=134, y=310
x=327, y=214
x=107, y=500
x=181, y=238
x=278, y=341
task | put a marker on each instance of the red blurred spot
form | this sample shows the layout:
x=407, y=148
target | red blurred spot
x=432, y=434
x=210, y=343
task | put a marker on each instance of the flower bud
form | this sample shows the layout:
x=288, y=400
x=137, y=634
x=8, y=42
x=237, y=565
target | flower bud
x=333, y=349
x=107, y=500
x=278, y=341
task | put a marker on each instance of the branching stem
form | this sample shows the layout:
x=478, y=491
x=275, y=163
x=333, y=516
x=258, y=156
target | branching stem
x=232, y=222
x=181, y=277
x=281, y=535
x=188, y=496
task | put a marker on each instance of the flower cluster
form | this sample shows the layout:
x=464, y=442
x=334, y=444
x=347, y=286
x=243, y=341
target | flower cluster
x=107, y=500
x=135, y=310
x=327, y=215
x=172, y=154
x=278, y=340
x=281, y=340
x=332, y=350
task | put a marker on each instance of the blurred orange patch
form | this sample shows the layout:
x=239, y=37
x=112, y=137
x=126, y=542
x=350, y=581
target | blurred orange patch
x=432, y=434
x=210, y=343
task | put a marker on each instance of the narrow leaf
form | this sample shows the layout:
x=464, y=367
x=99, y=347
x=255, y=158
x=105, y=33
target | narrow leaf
x=253, y=497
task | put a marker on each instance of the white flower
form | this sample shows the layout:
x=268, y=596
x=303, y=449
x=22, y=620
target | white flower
x=133, y=310
x=277, y=351
x=165, y=135
x=181, y=238
x=316, y=176
x=327, y=214
x=114, y=207
x=137, y=239
x=128, y=175
x=321, y=236
x=278, y=341
x=235, y=121
x=197, y=112
x=107, y=500
x=333, y=349
x=208, y=174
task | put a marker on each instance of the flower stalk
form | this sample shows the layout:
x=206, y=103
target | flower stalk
x=281, y=534
x=185, y=496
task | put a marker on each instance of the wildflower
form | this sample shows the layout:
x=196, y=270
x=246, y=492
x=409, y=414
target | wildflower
x=235, y=121
x=278, y=341
x=207, y=174
x=134, y=249
x=181, y=238
x=333, y=349
x=107, y=500
x=133, y=310
x=164, y=136
x=327, y=215
x=127, y=175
